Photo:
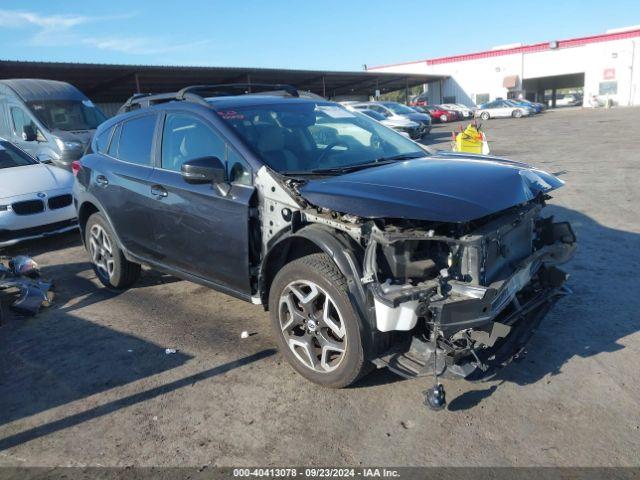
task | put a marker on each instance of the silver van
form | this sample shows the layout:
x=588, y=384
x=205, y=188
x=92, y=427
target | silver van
x=51, y=120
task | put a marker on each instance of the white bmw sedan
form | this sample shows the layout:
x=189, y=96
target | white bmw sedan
x=35, y=199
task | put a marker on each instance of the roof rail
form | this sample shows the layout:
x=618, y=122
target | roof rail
x=190, y=94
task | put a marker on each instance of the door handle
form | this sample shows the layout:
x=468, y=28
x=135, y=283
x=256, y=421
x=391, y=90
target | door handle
x=159, y=191
x=102, y=180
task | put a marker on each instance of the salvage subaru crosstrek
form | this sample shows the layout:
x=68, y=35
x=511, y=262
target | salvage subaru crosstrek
x=365, y=248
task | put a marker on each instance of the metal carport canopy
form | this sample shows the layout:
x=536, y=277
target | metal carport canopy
x=116, y=83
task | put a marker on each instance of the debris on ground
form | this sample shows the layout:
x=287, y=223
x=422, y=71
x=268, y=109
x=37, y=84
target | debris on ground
x=170, y=351
x=20, y=276
x=244, y=334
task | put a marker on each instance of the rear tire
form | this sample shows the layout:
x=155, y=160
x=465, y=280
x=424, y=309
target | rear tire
x=316, y=326
x=517, y=113
x=109, y=263
x=485, y=116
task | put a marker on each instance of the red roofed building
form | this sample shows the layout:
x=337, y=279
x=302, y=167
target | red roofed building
x=591, y=69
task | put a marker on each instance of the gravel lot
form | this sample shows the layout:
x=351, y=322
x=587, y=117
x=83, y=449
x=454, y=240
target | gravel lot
x=87, y=382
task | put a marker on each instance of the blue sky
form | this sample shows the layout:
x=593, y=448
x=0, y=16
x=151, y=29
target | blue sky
x=327, y=34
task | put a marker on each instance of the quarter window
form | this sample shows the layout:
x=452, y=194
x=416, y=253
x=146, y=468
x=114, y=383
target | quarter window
x=113, y=147
x=101, y=141
x=136, y=140
x=185, y=137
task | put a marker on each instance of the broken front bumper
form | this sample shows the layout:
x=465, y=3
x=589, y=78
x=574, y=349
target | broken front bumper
x=497, y=319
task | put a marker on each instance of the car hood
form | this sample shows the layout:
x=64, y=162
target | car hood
x=442, y=188
x=32, y=179
x=82, y=136
x=399, y=122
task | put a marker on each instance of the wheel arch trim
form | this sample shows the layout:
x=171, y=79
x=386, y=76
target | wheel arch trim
x=337, y=245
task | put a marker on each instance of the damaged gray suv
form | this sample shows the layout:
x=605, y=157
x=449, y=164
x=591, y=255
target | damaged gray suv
x=366, y=249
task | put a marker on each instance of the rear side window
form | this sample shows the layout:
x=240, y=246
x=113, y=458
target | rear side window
x=113, y=147
x=101, y=141
x=136, y=140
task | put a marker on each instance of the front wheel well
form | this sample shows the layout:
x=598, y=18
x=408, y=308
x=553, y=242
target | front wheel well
x=283, y=253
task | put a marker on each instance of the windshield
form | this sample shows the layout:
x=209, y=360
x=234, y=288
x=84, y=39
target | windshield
x=67, y=114
x=304, y=137
x=11, y=156
x=398, y=108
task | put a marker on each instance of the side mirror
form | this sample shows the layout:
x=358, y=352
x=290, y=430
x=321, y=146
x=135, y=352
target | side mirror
x=204, y=170
x=44, y=158
x=29, y=133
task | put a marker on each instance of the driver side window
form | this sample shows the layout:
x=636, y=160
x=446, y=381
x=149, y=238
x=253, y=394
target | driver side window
x=20, y=119
x=185, y=137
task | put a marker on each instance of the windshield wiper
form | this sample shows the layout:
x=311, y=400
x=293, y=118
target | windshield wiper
x=374, y=163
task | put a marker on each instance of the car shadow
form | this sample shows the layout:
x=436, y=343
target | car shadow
x=39, y=246
x=58, y=357
x=437, y=137
x=592, y=320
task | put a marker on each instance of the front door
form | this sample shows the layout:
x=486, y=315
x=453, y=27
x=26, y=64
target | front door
x=199, y=229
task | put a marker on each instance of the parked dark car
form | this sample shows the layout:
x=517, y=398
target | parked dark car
x=365, y=248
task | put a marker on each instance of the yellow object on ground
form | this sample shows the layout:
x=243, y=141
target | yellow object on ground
x=471, y=140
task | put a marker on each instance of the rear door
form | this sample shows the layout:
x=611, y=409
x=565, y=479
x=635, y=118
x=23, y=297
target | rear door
x=198, y=229
x=121, y=182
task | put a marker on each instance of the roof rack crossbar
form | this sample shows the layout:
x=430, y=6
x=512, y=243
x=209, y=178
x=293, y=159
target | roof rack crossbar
x=223, y=89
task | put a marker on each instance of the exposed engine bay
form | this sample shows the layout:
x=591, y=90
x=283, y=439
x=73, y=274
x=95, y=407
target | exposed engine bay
x=460, y=298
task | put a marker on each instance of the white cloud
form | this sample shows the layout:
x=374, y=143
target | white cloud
x=60, y=30
x=18, y=19
x=139, y=45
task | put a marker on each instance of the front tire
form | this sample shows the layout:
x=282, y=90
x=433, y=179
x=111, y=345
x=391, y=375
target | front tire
x=485, y=116
x=517, y=113
x=109, y=263
x=316, y=326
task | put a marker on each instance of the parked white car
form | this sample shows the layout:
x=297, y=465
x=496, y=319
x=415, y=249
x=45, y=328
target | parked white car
x=458, y=107
x=35, y=199
x=502, y=108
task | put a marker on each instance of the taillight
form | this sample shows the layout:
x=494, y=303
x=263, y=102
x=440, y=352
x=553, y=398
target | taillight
x=75, y=167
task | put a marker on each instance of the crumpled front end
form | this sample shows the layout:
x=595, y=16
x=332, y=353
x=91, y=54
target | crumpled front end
x=450, y=262
x=477, y=291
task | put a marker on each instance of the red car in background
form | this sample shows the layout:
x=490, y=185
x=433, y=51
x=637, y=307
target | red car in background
x=439, y=114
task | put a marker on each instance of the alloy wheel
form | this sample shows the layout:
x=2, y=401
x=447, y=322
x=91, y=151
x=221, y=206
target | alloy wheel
x=312, y=326
x=101, y=251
